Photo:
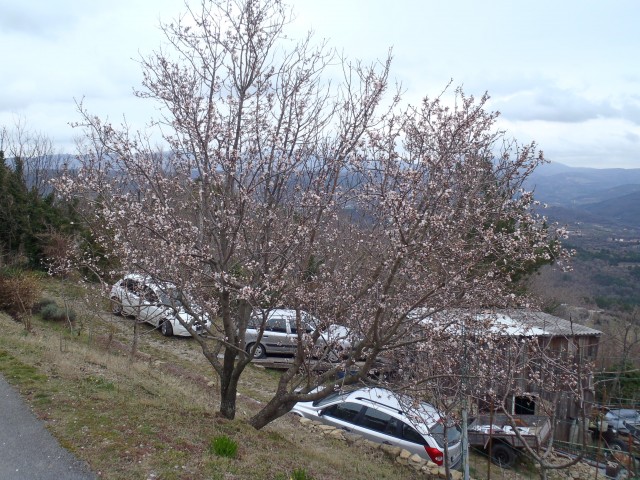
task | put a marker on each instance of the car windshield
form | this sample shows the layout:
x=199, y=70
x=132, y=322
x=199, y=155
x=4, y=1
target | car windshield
x=171, y=297
x=330, y=398
x=453, y=434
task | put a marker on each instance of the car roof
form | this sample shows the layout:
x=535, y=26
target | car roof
x=418, y=414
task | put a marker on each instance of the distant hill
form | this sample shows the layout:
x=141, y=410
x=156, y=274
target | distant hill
x=604, y=196
x=624, y=209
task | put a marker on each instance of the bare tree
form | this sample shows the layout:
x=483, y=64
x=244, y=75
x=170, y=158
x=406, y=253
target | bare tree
x=282, y=189
x=37, y=152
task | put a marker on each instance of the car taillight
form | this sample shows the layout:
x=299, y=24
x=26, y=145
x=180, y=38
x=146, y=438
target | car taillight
x=435, y=455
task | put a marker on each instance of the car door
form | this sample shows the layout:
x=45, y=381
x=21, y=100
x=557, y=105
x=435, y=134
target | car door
x=342, y=415
x=277, y=337
x=151, y=311
x=131, y=297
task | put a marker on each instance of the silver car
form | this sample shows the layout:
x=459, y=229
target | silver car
x=280, y=332
x=383, y=416
x=281, y=335
x=158, y=304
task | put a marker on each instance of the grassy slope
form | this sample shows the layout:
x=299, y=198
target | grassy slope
x=154, y=416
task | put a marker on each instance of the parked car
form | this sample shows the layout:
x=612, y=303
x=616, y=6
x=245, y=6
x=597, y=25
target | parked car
x=617, y=418
x=280, y=335
x=335, y=342
x=280, y=332
x=383, y=416
x=154, y=303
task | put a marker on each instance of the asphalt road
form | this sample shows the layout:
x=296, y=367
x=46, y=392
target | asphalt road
x=27, y=450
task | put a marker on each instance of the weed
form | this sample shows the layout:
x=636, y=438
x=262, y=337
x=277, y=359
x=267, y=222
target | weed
x=300, y=474
x=224, y=446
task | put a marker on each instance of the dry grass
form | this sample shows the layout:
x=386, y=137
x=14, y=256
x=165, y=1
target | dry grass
x=153, y=415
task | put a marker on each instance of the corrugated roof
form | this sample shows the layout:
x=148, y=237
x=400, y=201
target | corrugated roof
x=550, y=324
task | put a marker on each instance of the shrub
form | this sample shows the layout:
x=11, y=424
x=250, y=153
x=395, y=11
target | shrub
x=39, y=306
x=55, y=313
x=223, y=446
x=19, y=291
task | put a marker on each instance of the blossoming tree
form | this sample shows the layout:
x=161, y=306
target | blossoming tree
x=276, y=187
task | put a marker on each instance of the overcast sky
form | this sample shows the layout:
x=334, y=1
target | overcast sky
x=563, y=73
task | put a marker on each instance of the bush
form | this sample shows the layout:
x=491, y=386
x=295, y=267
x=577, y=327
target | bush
x=19, y=291
x=39, y=306
x=54, y=313
x=223, y=446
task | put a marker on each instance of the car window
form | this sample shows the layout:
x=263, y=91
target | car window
x=378, y=421
x=331, y=397
x=254, y=322
x=344, y=411
x=150, y=296
x=132, y=286
x=305, y=326
x=411, y=435
x=276, y=324
x=453, y=434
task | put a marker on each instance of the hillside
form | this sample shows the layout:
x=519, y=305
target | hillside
x=601, y=209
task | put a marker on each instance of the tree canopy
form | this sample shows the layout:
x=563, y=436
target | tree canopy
x=280, y=188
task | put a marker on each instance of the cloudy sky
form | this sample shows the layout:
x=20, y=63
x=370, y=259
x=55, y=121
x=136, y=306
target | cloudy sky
x=563, y=73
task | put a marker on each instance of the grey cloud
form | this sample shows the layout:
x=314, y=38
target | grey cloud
x=565, y=106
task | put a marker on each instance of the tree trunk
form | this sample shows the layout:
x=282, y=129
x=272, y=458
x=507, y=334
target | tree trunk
x=229, y=385
x=277, y=407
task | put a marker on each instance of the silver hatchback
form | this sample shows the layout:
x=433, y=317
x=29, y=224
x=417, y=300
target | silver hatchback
x=384, y=416
x=280, y=332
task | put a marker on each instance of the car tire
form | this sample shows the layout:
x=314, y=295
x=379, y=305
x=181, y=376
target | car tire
x=503, y=455
x=116, y=306
x=166, y=328
x=615, y=445
x=260, y=351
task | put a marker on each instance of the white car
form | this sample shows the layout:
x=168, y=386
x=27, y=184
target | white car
x=157, y=304
x=383, y=416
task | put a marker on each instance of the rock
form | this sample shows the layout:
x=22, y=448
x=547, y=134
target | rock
x=352, y=437
x=370, y=444
x=391, y=450
x=456, y=475
x=305, y=421
x=405, y=454
x=415, y=458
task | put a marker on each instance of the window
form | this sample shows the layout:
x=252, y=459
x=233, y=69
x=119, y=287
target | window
x=411, y=435
x=304, y=326
x=344, y=411
x=453, y=434
x=376, y=420
x=277, y=324
x=132, y=286
x=150, y=296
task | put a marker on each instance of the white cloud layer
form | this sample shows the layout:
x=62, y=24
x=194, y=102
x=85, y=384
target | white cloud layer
x=561, y=73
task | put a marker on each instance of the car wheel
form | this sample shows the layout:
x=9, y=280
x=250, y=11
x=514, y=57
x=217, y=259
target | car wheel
x=260, y=351
x=116, y=306
x=503, y=455
x=166, y=328
x=615, y=445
